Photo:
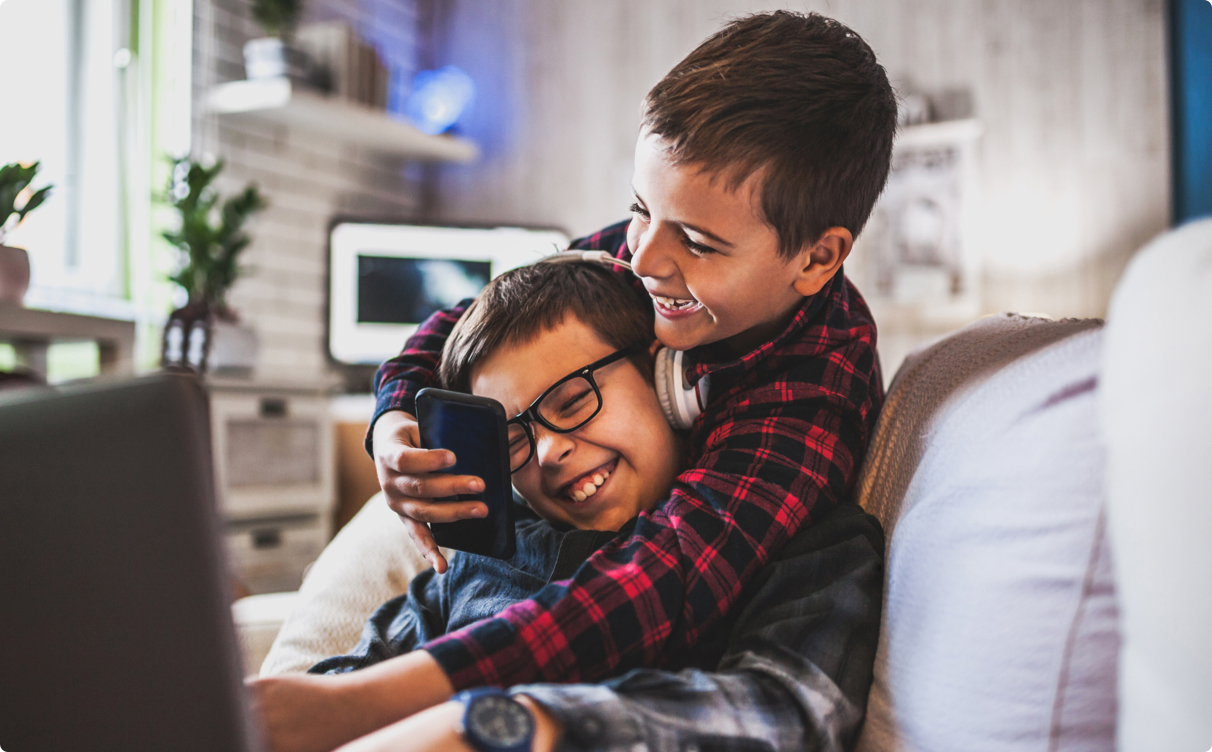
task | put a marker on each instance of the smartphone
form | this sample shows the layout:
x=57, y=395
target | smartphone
x=474, y=429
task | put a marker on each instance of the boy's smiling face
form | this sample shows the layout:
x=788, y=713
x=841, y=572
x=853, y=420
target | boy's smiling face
x=707, y=256
x=627, y=452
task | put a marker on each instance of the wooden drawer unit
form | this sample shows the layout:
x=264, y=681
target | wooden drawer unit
x=270, y=555
x=273, y=450
x=275, y=477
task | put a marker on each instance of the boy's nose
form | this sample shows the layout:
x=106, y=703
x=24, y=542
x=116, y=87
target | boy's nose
x=652, y=257
x=551, y=448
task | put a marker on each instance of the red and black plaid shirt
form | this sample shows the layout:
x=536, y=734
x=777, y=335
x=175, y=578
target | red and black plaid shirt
x=782, y=436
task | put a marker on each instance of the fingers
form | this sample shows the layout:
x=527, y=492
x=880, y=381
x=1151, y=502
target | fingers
x=430, y=486
x=439, y=511
x=401, y=458
x=422, y=538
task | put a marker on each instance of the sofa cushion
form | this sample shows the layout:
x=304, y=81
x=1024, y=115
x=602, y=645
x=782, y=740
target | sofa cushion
x=1156, y=408
x=370, y=561
x=999, y=627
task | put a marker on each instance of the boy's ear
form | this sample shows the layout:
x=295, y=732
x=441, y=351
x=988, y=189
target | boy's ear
x=821, y=260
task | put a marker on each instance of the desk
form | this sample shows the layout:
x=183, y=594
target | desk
x=31, y=332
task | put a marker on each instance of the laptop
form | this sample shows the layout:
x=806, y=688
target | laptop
x=115, y=623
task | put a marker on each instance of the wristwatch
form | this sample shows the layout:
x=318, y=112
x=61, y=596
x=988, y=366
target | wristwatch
x=495, y=722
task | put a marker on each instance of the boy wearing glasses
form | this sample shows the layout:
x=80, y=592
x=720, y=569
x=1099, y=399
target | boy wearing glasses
x=591, y=449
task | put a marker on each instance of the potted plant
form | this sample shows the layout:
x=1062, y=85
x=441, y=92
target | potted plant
x=206, y=332
x=273, y=55
x=15, y=189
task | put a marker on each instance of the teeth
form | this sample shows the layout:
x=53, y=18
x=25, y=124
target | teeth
x=674, y=303
x=590, y=488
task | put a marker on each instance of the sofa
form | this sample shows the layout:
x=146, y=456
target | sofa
x=1044, y=487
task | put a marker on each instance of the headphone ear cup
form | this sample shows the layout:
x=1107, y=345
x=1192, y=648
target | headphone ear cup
x=662, y=367
x=679, y=402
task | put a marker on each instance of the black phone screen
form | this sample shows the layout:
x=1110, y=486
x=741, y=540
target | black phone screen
x=474, y=429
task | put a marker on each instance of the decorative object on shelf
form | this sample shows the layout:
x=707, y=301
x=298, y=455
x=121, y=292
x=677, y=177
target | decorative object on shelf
x=273, y=55
x=205, y=333
x=344, y=65
x=439, y=98
x=917, y=254
x=15, y=182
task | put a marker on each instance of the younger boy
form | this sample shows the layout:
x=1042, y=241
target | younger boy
x=582, y=358
x=760, y=157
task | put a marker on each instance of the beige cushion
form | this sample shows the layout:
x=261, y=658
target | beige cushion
x=999, y=624
x=368, y=563
x=1157, y=420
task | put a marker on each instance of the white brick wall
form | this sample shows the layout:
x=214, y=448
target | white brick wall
x=1073, y=164
x=308, y=180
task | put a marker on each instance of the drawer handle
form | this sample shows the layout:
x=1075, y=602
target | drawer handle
x=273, y=407
x=267, y=538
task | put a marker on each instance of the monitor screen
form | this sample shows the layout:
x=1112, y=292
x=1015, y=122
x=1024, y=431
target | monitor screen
x=385, y=279
x=403, y=290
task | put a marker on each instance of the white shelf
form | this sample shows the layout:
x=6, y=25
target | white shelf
x=275, y=101
x=944, y=132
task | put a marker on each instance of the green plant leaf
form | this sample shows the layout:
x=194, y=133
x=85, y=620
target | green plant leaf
x=34, y=202
x=210, y=235
x=277, y=17
x=14, y=179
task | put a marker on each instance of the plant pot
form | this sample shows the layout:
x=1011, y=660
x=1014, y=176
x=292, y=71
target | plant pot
x=270, y=57
x=14, y=274
x=233, y=348
x=197, y=340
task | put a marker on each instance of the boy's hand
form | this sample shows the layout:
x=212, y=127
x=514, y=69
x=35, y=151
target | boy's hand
x=409, y=477
x=309, y=713
x=305, y=713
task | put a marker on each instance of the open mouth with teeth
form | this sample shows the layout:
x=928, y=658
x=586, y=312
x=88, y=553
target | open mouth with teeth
x=588, y=484
x=676, y=305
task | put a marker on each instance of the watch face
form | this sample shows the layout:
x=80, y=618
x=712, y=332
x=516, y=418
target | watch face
x=499, y=720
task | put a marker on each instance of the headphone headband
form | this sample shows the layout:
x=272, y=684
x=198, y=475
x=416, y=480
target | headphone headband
x=596, y=257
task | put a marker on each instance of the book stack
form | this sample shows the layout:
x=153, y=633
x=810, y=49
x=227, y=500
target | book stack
x=343, y=64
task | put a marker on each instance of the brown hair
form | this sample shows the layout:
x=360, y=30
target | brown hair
x=799, y=99
x=521, y=304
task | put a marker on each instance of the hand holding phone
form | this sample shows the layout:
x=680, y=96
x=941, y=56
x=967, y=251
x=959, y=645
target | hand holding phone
x=473, y=428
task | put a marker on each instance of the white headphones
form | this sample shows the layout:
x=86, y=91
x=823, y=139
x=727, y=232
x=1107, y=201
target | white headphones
x=681, y=402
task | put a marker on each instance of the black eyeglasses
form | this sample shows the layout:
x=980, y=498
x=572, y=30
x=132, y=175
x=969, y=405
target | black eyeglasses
x=567, y=405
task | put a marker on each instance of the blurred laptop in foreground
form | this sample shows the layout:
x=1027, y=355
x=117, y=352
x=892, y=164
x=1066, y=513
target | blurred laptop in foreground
x=115, y=630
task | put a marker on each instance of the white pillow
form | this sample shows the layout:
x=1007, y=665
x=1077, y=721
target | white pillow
x=369, y=562
x=1157, y=418
x=999, y=626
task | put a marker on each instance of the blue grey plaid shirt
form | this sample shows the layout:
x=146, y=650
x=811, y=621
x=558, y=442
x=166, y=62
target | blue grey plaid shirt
x=794, y=672
x=787, y=669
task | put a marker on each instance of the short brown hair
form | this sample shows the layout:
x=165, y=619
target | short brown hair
x=521, y=304
x=799, y=99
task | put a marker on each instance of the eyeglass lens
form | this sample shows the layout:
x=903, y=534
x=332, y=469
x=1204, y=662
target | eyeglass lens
x=565, y=408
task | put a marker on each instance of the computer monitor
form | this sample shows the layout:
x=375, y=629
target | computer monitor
x=385, y=279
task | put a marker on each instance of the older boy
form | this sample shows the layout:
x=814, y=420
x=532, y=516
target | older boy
x=760, y=157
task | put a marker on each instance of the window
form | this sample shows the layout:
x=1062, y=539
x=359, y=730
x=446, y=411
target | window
x=98, y=91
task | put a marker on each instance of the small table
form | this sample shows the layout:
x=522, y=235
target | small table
x=31, y=332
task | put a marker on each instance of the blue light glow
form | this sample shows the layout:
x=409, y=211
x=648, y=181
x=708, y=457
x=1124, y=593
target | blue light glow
x=439, y=98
